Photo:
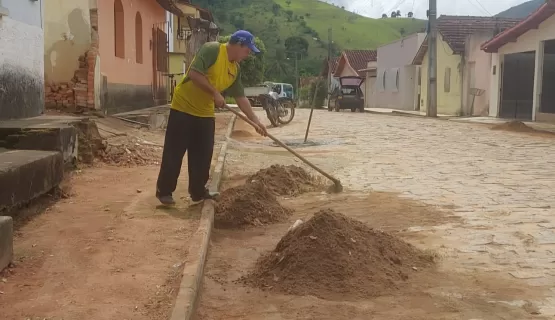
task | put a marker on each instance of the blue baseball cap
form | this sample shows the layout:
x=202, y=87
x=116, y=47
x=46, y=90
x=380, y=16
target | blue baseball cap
x=245, y=38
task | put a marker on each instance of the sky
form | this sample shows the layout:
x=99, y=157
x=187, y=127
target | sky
x=375, y=8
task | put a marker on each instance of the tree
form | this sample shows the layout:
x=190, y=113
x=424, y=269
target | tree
x=252, y=68
x=280, y=67
x=321, y=94
x=394, y=14
x=275, y=9
x=402, y=31
x=398, y=13
x=384, y=16
x=238, y=22
x=296, y=44
x=410, y=14
x=221, y=15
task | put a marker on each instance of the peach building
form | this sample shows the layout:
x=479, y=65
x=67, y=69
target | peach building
x=109, y=55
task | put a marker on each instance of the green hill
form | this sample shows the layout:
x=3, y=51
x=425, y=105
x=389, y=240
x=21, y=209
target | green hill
x=350, y=30
x=521, y=10
x=296, y=25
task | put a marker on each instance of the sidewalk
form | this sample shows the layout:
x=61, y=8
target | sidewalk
x=402, y=112
x=107, y=251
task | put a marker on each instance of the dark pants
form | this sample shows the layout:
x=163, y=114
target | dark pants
x=194, y=135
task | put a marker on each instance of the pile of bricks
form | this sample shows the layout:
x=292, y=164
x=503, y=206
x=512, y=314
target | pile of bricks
x=71, y=95
x=59, y=95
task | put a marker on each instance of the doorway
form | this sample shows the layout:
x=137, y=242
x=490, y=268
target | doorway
x=547, y=104
x=517, y=90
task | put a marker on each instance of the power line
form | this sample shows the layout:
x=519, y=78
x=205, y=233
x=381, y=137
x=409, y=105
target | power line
x=479, y=6
x=396, y=6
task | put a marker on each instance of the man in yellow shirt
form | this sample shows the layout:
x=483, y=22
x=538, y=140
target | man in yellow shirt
x=191, y=123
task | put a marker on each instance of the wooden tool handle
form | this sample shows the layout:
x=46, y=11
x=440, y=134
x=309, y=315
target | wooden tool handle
x=283, y=145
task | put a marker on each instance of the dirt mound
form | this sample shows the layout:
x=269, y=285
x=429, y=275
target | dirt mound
x=516, y=126
x=286, y=180
x=241, y=134
x=335, y=257
x=248, y=205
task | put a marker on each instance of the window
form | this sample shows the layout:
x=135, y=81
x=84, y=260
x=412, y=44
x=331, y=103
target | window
x=447, y=80
x=138, y=38
x=348, y=91
x=119, y=30
x=397, y=80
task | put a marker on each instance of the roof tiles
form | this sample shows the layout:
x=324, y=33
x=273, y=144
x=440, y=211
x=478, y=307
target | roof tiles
x=532, y=21
x=456, y=29
x=358, y=59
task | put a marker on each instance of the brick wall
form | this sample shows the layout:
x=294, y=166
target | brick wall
x=78, y=94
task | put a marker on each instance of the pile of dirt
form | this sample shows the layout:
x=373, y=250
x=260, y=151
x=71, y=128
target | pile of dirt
x=241, y=134
x=515, y=126
x=248, y=205
x=335, y=257
x=286, y=180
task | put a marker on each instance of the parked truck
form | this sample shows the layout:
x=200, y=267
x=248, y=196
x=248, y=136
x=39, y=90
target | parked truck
x=280, y=109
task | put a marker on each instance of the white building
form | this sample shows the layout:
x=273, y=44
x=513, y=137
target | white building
x=397, y=85
x=21, y=58
x=523, y=68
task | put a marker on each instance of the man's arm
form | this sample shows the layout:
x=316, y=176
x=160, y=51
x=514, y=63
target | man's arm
x=202, y=82
x=205, y=57
x=245, y=105
x=238, y=92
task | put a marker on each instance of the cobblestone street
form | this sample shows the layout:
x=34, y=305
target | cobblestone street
x=501, y=183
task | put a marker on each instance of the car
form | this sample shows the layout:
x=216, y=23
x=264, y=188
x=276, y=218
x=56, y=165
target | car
x=348, y=95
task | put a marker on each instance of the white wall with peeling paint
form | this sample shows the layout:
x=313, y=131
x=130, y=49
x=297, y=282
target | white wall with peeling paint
x=21, y=59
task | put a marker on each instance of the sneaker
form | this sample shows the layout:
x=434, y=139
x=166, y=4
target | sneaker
x=207, y=196
x=166, y=200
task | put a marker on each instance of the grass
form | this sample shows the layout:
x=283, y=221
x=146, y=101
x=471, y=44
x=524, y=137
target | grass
x=351, y=31
x=309, y=19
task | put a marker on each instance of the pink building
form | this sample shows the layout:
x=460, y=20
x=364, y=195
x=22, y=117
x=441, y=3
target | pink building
x=132, y=45
x=112, y=55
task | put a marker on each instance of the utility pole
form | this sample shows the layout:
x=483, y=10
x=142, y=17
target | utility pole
x=431, y=108
x=297, y=83
x=328, y=81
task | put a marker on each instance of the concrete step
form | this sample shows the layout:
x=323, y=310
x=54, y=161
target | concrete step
x=28, y=174
x=6, y=241
x=41, y=134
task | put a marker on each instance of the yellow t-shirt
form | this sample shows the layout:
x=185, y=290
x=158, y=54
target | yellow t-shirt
x=212, y=61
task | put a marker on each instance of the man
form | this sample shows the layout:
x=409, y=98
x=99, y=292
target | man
x=191, y=123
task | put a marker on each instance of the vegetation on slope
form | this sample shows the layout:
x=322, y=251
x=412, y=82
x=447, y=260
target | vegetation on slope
x=299, y=28
x=350, y=30
x=522, y=10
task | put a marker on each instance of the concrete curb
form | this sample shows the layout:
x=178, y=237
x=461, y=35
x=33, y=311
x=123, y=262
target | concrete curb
x=6, y=241
x=193, y=272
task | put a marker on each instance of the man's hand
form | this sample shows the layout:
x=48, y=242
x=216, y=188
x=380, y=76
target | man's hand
x=260, y=128
x=219, y=100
